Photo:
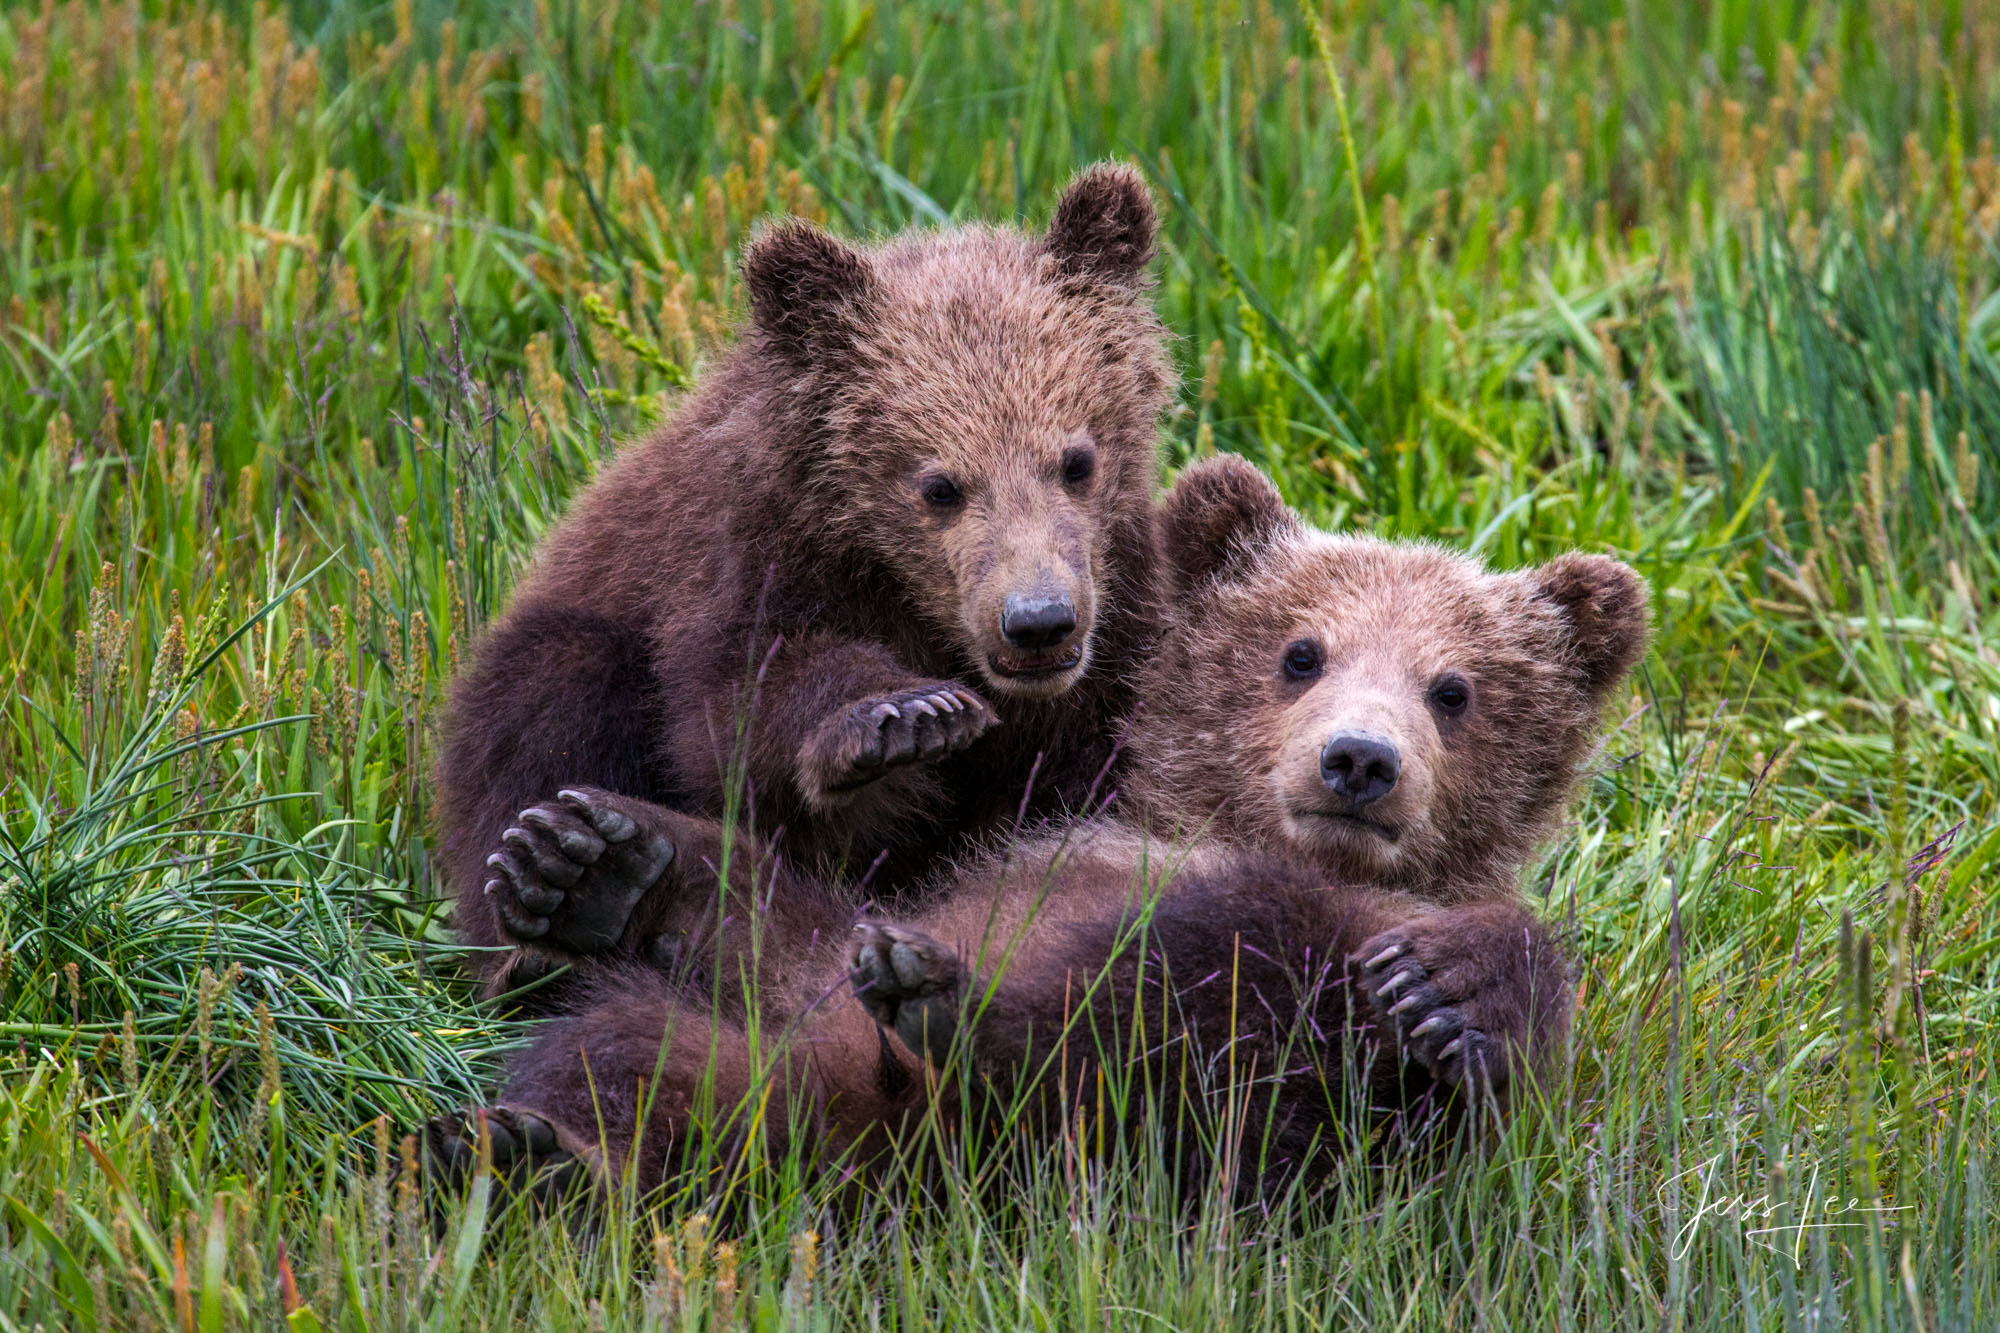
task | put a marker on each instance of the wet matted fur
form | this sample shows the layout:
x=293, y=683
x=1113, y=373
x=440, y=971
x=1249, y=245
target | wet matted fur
x=1395, y=944
x=804, y=576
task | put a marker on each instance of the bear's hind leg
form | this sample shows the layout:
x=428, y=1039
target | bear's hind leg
x=608, y=1089
x=528, y=1156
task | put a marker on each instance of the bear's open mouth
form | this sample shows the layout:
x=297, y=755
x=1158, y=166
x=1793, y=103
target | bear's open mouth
x=1028, y=668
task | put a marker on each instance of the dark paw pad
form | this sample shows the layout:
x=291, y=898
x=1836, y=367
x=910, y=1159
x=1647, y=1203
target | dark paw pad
x=908, y=982
x=570, y=871
x=870, y=738
x=527, y=1156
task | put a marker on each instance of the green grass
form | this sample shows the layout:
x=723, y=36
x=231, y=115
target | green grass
x=311, y=319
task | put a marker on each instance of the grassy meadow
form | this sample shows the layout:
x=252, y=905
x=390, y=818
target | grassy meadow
x=311, y=318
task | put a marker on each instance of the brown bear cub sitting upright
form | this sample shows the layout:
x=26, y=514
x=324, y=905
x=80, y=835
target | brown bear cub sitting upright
x=924, y=480
x=1364, y=739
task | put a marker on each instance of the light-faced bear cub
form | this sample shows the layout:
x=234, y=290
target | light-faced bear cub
x=913, y=506
x=1347, y=750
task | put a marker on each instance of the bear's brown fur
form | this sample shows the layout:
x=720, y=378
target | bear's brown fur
x=915, y=503
x=1044, y=960
x=1385, y=629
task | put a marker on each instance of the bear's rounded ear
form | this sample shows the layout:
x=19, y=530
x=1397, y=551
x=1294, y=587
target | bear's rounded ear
x=807, y=290
x=1217, y=517
x=1104, y=227
x=1607, y=610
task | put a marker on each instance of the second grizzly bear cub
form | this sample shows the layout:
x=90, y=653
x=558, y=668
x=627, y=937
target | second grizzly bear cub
x=1396, y=722
x=924, y=480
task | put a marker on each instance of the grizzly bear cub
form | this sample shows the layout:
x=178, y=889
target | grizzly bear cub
x=913, y=506
x=1363, y=740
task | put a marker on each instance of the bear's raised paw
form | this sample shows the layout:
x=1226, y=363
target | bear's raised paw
x=873, y=737
x=1428, y=1030
x=1459, y=992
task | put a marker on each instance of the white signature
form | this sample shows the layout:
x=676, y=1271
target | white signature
x=1831, y=1213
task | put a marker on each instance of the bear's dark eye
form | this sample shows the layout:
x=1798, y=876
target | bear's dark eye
x=1450, y=695
x=942, y=493
x=1303, y=660
x=1078, y=466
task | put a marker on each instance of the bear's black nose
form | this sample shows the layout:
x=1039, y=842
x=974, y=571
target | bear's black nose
x=1036, y=622
x=1360, y=767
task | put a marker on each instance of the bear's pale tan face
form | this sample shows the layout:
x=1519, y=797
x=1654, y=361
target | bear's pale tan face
x=998, y=444
x=1379, y=694
x=1389, y=711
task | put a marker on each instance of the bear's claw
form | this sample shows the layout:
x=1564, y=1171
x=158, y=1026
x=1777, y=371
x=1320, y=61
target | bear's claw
x=548, y=859
x=570, y=871
x=1431, y=1028
x=873, y=736
x=908, y=982
x=581, y=845
x=1388, y=955
x=611, y=823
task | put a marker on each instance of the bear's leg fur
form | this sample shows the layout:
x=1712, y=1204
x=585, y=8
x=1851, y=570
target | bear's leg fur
x=555, y=698
x=618, y=1085
x=559, y=839
x=1299, y=982
x=1192, y=1010
x=1337, y=1005
x=732, y=923
x=841, y=737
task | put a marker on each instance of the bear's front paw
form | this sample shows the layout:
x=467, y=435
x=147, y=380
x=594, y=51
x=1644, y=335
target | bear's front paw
x=1461, y=992
x=1428, y=1030
x=867, y=740
x=570, y=871
x=909, y=983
